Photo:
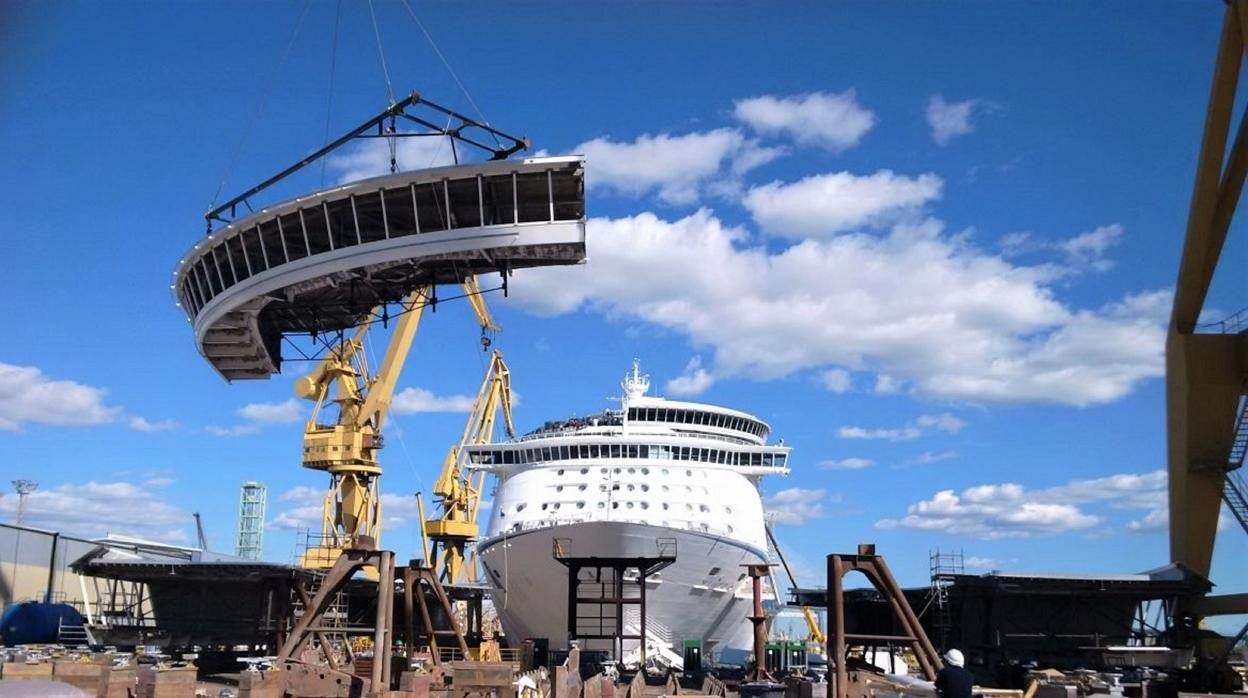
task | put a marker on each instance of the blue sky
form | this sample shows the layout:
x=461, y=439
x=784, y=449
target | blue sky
x=932, y=245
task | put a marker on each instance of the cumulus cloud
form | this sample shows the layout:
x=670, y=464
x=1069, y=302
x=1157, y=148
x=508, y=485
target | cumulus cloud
x=96, y=509
x=680, y=169
x=795, y=505
x=232, y=431
x=304, y=507
x=1009, y=510
x=833, y=121
x=141, y=424
x=27, y=396
x=370, y=157
x=413, y=400
x=980, y=563
x=694, y=381
x=925, y=424
x=836, y=380
x=821, y=206
x=846, y=464
x=925, y=307
x=287, y=412
x=949, y=120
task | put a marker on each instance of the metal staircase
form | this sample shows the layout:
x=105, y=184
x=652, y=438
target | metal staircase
x=1234, y=491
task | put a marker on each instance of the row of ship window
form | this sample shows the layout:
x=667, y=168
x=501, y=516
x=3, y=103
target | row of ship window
x=413, y=209
x=711, y=419
x=546, y=454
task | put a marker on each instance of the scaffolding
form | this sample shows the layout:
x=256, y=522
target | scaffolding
x=944, y=566
x=249, y=542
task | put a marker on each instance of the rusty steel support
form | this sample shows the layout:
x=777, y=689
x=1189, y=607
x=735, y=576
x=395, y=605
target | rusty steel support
x=758, y=618
x=872, y=567
x=417, y=577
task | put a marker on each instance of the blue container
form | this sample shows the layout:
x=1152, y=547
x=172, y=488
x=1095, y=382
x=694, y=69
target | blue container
x=32, y=622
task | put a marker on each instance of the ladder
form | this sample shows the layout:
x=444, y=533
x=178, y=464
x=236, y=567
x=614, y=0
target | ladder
x=1234, y=491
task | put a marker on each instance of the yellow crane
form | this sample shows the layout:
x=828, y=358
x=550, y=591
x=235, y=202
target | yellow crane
x=450, y=533
x=347, y=447
x=812, y=624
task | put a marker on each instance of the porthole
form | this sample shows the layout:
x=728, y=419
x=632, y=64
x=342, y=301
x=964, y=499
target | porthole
x=645, y=505
x=582, y=489
x=615, y=505
x=602, y=505
x=665, y=506
x=666, y=488
x=665, y=472
x=730, y=529
x=632, y=471
x=584, y=471
x=645, y=471
x=688, y=473
x=559, y=488
x=631, y=487
x=520, y=507
x=728, y=510
x=544, y=507
x=560, y=472
x=630, y=505
x=688, y=507
x=645, y=488
x=580, y=505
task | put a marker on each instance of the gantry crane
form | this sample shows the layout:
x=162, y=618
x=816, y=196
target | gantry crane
x=812, y=624
x=450, y=533
x=347, y=447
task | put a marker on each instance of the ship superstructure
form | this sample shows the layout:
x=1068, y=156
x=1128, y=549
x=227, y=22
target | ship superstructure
x=617, y=484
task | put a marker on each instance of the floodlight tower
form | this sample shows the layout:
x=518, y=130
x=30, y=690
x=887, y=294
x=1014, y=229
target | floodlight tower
x=23, y=488
x=249, y=541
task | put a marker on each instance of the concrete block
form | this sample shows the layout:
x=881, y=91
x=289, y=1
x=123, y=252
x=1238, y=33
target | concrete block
x=21, y=670
x=117, y=683
x=259, y=684
x=592, y=687
x=78, y=674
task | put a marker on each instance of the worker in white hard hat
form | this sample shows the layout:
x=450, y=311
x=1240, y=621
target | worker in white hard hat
x=954, y=681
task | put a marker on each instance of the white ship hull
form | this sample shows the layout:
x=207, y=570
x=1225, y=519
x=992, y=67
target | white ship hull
x=704, y=595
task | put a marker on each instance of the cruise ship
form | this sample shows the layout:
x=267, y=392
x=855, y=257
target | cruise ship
x=624, y=483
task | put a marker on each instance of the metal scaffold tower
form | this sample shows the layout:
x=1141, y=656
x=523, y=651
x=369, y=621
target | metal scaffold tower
x=249, y=542
x=944, y=566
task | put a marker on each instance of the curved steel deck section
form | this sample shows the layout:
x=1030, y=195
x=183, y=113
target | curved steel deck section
x=321, y=262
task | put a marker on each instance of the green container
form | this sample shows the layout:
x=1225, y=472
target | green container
x=693, y=643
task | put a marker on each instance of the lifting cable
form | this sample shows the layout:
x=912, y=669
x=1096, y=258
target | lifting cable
x=385, y=71
x=329, y=102
x=449, y=69
x=264, y=98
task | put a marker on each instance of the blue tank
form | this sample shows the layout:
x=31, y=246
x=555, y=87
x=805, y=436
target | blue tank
x=32, y=622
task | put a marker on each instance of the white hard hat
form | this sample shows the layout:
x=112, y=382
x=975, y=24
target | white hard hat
x=954, y=657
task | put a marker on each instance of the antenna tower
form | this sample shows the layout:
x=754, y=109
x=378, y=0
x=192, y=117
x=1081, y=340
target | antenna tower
x=249, y=542
x=23, y=488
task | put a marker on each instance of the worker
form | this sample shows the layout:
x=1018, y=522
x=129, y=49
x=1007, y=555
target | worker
x=954, y=681
x=573, y=664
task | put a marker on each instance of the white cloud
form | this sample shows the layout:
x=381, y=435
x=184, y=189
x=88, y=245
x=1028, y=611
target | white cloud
x=306, y=509
x=980, y=563
x=370, y=157
x=846, y=464
x=160, y=482
x=287, y=412
x=949, y=120
x=413, y=400
x=950, y=320
x=886, y=384
x=836, y=380
x=1087, y=250
x=795, y=506
x=821, y=206
x=232, y=431
x=27, y=396
x=1009, y=510
x=1155, y=521
x=96, y=509
x=925, y=424
x=141, y=424
x=694, y=381
x=834, y=121
x=680, y=169
x=929, y=457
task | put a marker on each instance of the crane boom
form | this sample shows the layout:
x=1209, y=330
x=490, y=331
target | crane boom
x=812, y=624
x=347, y=448
x=453, y=528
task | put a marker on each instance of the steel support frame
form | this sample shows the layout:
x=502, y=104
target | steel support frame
x=873, y=567
x=1205, y=373
x=309, y=625
x=417, y=578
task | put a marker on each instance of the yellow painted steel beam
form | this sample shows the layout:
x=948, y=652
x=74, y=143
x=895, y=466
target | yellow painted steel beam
x=1221, y=605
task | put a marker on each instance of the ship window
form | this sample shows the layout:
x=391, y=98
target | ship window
x=665, y=473
x=580, y=505
x=584, y=449
x=645, y=505
x=546, y=454
x=688, y=473
x=666, y=488
x=756, y=459
x=665, y=506
x=593, y=450
x=615, y=505
x=782, y=459
x=582, y=488
x=557, y=505
x=615, y=451
x=520, y=507
x=643, y=452
x=632, y=471
x=645, y=471
x=701, y=507
x=630, y=505
x=602, y=505
x=544, y=506
x=688, y=507
x=728, y=510
x=645, y=488
x=616, y=471
x=632, y=451
x=714, y=571
x=563, y=453
x=650, y=413
x=631, y=488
